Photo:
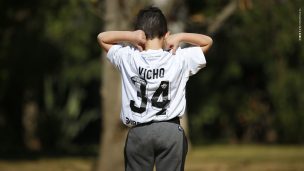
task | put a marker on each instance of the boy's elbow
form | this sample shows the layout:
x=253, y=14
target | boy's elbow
x=206, y=41
x=207, y=44
x=100, y=40
x=210, y=41
x=102, y=43
x=99, y=37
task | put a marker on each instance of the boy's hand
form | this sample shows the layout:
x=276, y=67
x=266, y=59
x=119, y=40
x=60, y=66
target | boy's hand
x=139, y=39
x=200, y=40
x=172, y=42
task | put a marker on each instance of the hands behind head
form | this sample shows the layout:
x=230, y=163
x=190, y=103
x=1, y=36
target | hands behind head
x=139, y=39
x=172, y=42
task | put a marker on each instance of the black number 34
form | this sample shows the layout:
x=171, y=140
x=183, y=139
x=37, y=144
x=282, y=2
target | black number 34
x=161, y=91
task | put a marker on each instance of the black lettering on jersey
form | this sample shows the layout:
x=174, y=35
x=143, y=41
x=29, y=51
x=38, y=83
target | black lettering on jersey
x=141, y=72
x=161, y=72
x=160, y=98
x=131, y=122
x=151, y=73
x=155, y=73
x=141, y=85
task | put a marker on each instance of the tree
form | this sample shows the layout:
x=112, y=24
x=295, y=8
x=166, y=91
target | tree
x=47, y=65
x=251, y=87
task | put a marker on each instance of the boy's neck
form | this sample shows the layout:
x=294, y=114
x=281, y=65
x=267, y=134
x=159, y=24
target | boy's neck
x=154, y=44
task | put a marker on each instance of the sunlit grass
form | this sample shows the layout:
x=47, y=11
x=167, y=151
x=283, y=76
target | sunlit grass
x=203, y=158
x=48, y=164
x=246, y=158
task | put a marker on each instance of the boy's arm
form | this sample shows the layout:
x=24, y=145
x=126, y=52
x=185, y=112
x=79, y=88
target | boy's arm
x=109, y=38
x=201, y=40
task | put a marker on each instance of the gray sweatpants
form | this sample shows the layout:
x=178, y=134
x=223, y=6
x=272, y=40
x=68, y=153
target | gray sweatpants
x=161, y=143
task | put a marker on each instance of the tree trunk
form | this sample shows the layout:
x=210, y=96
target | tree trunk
x=222, y=17
x=113, y=134
x=29, y=123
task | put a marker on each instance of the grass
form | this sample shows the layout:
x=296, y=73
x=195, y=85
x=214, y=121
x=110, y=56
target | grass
x=208, y=158
x=246, y=158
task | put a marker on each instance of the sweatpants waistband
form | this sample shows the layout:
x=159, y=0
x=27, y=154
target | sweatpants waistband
x=175, y=120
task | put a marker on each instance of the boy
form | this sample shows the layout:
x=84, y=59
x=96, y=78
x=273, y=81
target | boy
x=153, y=88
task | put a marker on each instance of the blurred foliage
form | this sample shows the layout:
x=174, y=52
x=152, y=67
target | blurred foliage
x=251, y=90
x=49, y=54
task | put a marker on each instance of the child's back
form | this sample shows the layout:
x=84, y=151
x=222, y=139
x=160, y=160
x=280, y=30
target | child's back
x=154, y=81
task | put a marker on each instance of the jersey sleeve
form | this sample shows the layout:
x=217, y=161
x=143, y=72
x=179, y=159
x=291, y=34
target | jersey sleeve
x=194, y=59
x=117, y=53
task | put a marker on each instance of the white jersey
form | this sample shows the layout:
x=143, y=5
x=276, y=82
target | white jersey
x=154, y=81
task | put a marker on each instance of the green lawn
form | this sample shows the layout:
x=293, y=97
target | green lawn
x=209, y=158
x=246, y=158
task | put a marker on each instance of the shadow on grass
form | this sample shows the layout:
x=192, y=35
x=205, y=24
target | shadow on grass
x=17, y=153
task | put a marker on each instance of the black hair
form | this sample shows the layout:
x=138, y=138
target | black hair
x=152, y=21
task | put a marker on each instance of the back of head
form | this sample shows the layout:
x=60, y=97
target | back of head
x=152, y=21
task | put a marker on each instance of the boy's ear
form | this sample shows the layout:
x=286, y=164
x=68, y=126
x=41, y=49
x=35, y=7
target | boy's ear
x=167, y=34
